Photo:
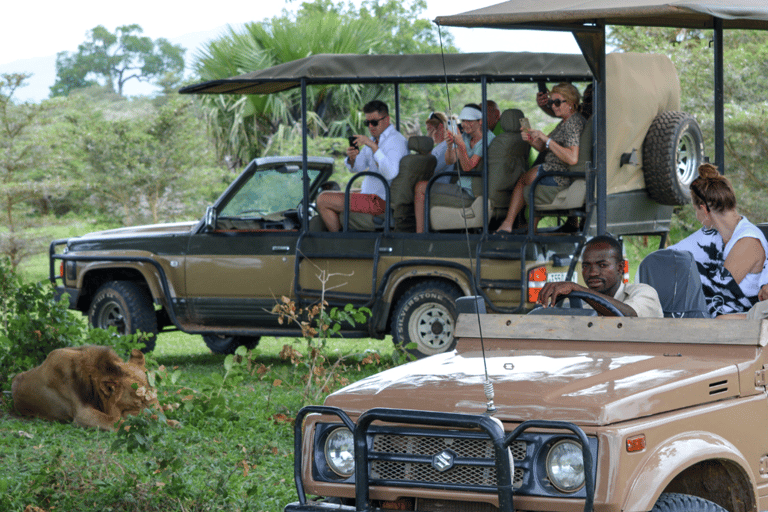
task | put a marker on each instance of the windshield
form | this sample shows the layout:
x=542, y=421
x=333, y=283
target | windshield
x=268, y=191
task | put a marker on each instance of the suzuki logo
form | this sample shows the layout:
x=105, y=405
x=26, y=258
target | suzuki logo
x=444, y=460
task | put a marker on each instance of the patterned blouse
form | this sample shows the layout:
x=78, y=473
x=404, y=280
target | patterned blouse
x=567, y=134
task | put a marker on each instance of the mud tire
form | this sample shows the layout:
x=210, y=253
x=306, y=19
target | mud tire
x=127, y=307
x=224, y=344
x=673, y=149
x=426, y=315
x=674, y=502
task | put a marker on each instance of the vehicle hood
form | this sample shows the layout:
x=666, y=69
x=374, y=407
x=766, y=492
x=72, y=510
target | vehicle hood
x=152, y=229
x=582, y=387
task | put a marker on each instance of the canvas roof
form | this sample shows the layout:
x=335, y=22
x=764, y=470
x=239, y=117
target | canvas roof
x=743, y=14
x=423, y=68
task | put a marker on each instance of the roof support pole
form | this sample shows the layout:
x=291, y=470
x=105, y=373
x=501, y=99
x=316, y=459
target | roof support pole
x=601, y=154
x=484, y=107
x=719, y=101
x=397, y=107
x=304, y=152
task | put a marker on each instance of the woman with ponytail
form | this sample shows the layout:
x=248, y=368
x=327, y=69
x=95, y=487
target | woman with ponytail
x=730, y=251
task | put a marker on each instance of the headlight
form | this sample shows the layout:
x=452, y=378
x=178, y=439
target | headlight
x=340, y=452
x=565, y=466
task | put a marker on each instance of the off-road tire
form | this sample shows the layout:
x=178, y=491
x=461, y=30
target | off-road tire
x=224, y=344
x=674, y=502
x=426, y=315
x=127, y=307
x=673, y=149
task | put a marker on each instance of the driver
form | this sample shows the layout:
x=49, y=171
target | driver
x=603, y=270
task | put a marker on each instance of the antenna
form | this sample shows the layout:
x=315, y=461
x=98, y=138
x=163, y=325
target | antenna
x=487, y=385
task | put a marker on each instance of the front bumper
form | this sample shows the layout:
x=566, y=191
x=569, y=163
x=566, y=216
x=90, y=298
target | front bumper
x=492, y=428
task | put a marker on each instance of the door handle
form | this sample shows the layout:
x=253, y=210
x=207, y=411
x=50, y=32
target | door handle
x=385, y=249
x=281, y=248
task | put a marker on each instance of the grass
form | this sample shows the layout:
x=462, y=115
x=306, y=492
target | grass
x=233, y=452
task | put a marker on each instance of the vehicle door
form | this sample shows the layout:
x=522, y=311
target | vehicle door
x=242, y=262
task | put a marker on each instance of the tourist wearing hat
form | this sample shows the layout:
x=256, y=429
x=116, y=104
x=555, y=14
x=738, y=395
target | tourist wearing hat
x=468, y=149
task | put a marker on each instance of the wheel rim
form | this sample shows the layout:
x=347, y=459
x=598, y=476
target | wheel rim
x=687, y=160
x=431, y=328
x=111, y=315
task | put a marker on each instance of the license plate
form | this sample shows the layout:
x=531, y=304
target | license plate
x=556, y=277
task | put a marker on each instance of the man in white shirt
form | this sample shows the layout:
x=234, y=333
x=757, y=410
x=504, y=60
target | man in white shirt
x=379, y=153
x=603, y=271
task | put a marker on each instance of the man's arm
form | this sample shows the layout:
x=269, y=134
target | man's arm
x=551, y=293
x=389, y=154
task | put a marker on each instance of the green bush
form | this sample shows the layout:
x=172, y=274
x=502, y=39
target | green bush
x=32, y=323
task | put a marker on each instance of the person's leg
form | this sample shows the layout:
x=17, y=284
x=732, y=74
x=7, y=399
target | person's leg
x=517, y=201
x=419, y=198
x=329, y=206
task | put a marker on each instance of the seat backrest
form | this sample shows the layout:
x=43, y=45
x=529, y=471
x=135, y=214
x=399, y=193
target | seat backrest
x=507, y=160
x=585, y=149
x=675, y=277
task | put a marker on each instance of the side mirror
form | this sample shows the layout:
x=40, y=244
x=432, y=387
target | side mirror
x=210, y=219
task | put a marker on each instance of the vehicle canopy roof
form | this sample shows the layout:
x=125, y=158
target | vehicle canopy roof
x=587, y=20
x=742, y=14
x=396, y=69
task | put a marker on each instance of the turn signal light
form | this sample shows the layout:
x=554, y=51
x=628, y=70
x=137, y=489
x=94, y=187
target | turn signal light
x=537, y=278
x=636, y=444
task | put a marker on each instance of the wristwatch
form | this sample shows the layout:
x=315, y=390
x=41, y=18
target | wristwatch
x=548, y=141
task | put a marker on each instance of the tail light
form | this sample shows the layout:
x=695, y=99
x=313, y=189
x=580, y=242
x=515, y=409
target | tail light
x=537, y=278
x=61, y=269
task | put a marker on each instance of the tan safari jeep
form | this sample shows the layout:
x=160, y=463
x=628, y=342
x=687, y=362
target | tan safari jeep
x=551, y=413
x=220, y=276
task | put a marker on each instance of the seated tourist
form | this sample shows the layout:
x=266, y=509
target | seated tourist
x=379, y=153
x=560, y=148
x=729, y=250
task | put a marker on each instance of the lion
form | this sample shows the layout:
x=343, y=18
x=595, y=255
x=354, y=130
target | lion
x=89, y=385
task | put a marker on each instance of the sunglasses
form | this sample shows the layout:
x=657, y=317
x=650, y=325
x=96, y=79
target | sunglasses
x=435, y=117
x=556, y=102
x=373, y=122
x=698, y=193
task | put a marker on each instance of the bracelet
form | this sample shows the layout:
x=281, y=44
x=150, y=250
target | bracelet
x=547, y=144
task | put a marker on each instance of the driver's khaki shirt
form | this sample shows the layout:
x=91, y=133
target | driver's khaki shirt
x=642, y=298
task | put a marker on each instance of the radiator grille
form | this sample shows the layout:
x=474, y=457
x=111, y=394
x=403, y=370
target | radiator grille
x=462, y=474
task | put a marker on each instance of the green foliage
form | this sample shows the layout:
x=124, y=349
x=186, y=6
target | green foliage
x=32, y=323
x=244, y=126
x=21, y=154
x=144, y=165
x=113, y=59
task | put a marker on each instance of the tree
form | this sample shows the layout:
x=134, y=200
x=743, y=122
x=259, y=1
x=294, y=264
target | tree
x=111, y=60
x=244, y=127
x=142, y=165
x=21, y=154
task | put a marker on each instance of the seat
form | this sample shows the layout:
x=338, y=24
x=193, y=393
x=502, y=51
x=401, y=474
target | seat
x=507, y=160
x=414, y=167
x=675, y=277
x=568, y=202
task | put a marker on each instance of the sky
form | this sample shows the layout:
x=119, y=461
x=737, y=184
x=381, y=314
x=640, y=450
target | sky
x=33, y=30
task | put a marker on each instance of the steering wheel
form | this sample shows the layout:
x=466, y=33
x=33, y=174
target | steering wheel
x=577, y=310
x=312, y=210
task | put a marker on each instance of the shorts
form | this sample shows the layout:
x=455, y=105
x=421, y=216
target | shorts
x=548, y=181
x=367, y=203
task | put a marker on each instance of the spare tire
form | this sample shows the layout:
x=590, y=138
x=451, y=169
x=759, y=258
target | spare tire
x=673, y=149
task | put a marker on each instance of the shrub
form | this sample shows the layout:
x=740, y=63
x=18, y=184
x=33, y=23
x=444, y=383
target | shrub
x=32, y=323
